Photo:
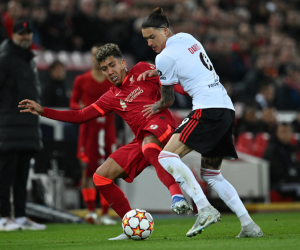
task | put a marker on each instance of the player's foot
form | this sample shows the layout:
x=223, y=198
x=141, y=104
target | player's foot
x=120, y=237
x=27, y=224
x=180, y=205
x=251, y=230
x=206, y=216
x=8, y=224
x=107, y=220
x=91, y=218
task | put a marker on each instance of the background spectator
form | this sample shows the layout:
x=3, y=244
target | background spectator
x=54, y=92
x=20, y=136
x=284, y=165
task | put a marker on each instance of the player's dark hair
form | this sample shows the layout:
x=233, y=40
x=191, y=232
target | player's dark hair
x=156, y=20
x=108, y=50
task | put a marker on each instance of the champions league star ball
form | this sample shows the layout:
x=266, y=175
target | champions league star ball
x=138, y=224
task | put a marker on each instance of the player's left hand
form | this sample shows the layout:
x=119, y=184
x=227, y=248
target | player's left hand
x=148, y=111
x=148, y=73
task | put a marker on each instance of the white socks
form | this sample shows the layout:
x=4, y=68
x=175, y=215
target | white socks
x=227, y=193
x=184, y=177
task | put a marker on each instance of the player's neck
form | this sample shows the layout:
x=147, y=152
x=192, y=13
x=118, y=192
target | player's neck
x=98, y=75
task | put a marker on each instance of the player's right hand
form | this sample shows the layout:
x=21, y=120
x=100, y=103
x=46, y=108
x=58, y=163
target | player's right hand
x=30, y=107
x=146, y=74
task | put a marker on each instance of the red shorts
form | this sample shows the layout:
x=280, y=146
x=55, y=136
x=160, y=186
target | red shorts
x=131, y=157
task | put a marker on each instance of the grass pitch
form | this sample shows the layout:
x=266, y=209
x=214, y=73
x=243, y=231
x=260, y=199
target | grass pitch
x=281, y=231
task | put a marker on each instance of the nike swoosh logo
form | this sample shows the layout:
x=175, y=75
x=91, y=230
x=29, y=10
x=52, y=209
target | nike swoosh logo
x=207, y=219
x=118, y=93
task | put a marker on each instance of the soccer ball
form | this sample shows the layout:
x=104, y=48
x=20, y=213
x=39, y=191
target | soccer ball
x=138, y=224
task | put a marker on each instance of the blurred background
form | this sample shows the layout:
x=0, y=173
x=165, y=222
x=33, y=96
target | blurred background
x=253, y=46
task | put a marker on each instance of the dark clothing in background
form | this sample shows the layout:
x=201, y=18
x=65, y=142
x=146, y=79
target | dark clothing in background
x=284, y=165
x=54, y=94
x=89, y=29
x=14, y=167
x=18, y=81
x=20, y=134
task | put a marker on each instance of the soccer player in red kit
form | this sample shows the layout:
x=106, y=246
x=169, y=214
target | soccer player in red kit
x=97, y=137
x=127, y=98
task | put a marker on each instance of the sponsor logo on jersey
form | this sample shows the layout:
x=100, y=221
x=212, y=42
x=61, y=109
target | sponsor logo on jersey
x=153, y=126
x=162, y=78
x=194, y=48
x=213, y=85
x=131, y=80
x=159, y=72
x=134, y=94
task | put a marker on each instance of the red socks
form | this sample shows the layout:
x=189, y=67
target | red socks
x=89, y=197
x=113, y=194
x=104, y=205
x=151, y=152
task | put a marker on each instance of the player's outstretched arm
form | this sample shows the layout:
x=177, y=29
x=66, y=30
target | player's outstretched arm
x=30, y=107
x=166, y=101
x=73, y=116
x=146, y=74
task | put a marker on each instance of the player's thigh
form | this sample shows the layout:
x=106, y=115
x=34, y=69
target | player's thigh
x=177, y=147
x=151, y=138
x=213, y=163
x=110, y=169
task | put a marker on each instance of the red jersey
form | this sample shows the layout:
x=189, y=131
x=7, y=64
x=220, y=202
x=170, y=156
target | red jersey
x=87, y=90
x=128, y=101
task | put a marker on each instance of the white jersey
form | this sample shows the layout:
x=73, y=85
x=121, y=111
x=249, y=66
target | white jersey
x=184, y=61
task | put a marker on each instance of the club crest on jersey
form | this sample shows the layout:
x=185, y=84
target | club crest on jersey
x=134, y=94
x=153, y=126
x=152, y=66
x=123, y=104
x=131, y=80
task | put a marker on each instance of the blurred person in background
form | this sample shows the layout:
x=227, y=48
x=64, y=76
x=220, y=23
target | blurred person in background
x=268, y=121
x=55, y=30
x=296, y=123
x=248, y=122
x=284, y=164
x=97, y=138
x=88, y=29
x=54, y=93
x=20, y=137
x=288, y=95
x=13, y=13
x=265, y=97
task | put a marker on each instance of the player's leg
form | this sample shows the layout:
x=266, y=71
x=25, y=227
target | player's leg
x=169, y=158
x=211, y=173
x=109, y=147
x=103, y=179
x=151, y=148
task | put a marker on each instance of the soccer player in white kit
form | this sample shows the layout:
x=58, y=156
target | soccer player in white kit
x=207, y=129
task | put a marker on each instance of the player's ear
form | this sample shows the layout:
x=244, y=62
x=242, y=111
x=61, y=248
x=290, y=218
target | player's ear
x=124, y=64
x=166, y=31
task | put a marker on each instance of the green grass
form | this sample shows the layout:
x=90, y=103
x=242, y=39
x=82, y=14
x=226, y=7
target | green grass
x=281, y=231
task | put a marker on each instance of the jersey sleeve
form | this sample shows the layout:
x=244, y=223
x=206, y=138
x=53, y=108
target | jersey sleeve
x=141, y=67
x=76, y=94
x=167, y=69
x=103, y=105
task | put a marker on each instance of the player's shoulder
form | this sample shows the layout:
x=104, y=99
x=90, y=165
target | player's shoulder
x=141, y=67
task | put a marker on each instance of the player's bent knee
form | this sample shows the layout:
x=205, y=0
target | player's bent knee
x=211, y=162
x=100, y=180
